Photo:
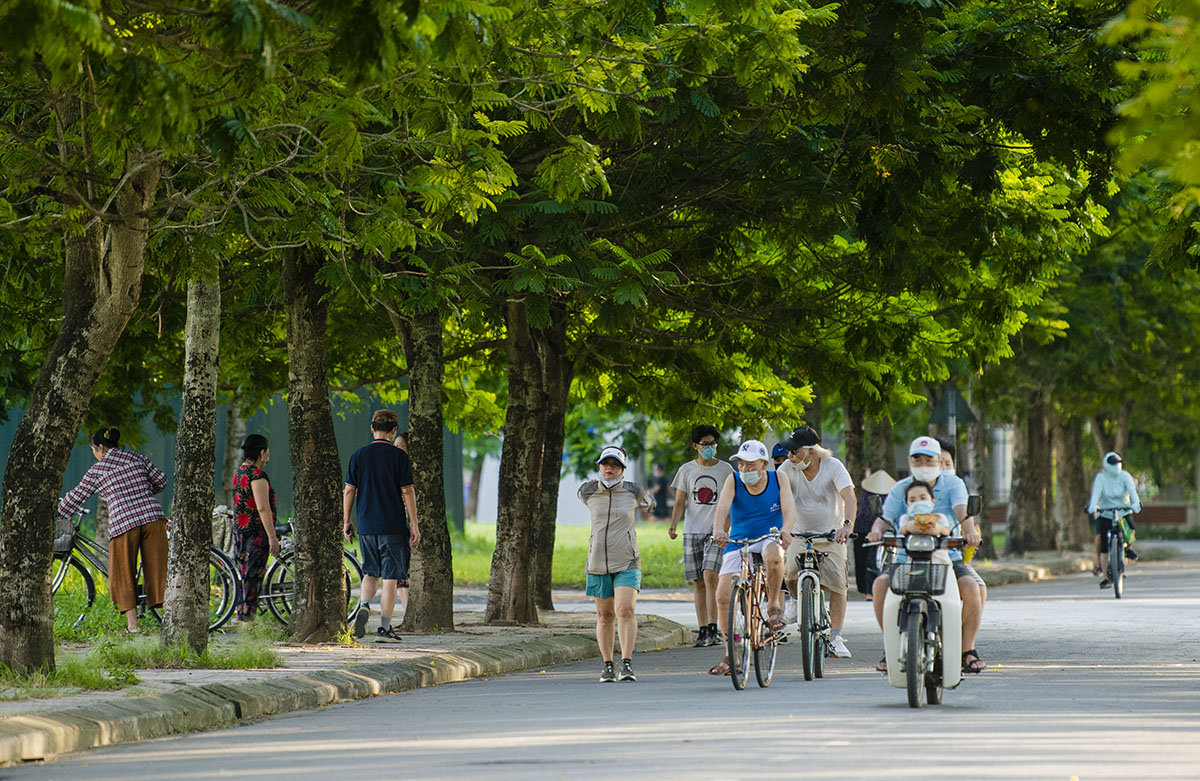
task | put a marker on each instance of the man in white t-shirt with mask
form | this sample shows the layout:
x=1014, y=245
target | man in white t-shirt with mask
x=824, y=498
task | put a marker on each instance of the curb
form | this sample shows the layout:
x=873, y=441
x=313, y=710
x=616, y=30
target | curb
x=32, y=737
x=1003, y=576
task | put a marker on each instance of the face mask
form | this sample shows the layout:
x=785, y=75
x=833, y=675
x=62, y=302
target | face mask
x=609, y=483
x=926, y=474
x=804, y=464
x=923, y=506
x=749, y=478
x=708, y=452
x=949, y=471
x=1112, y=469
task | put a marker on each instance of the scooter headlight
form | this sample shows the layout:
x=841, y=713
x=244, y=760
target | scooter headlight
x=919, y=543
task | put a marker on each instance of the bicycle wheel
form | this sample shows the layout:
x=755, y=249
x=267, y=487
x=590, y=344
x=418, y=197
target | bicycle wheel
x=821, y=644
x=1116, y=563
x=765, y=645
x=737, y=641
x=808, y=629
x=914, y=662
x=224, y=589
x=354, y=576
x=279, y=585
x=73, y=588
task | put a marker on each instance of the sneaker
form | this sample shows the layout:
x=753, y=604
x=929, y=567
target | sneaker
x=715, y=637
x=391, y=634
x=838, y=649
x=789, y=611
x=701, y=638
x=608, y=674
x=1105, y=583
x=361, y=616
x=782, y=639
x=627, y=670
x=1131, y=554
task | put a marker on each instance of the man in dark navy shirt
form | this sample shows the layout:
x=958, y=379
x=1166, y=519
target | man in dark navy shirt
x=380, y=477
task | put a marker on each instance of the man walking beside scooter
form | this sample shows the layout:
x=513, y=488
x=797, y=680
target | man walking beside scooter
x=950, y=499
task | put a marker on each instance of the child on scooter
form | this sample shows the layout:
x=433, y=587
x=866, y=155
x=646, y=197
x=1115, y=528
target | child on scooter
x=920, y=518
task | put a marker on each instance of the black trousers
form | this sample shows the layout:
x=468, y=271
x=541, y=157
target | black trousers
x=864, y=565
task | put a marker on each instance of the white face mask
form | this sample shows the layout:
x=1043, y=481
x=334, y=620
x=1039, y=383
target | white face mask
x=750, y=478
x=926, y=474
x=609, y=483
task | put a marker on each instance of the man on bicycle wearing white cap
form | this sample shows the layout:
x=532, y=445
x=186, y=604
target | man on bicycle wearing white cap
x=949, y=499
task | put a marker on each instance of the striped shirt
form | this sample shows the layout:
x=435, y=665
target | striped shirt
x=127, y=482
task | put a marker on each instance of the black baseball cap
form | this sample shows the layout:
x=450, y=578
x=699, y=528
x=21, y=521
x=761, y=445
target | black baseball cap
x=801, y=436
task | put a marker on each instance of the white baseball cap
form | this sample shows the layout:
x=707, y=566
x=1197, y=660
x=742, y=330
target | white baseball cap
x=752, y=450
x=613, y=452
x=924, y=446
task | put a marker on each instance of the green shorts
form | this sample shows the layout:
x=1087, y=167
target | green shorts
x=604, y=586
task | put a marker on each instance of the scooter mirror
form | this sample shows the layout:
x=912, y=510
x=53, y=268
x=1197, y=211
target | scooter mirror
x=974, y=505
x=875, y=504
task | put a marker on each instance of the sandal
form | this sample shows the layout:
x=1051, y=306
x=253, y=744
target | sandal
x=721, y=667
x=775, y=619
x=1096, y=570
x=971, y=663
x=882, y=666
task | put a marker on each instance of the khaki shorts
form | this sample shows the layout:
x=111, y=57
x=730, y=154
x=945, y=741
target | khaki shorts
x=833, y=567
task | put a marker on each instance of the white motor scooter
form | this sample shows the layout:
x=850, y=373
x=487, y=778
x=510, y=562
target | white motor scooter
x=922, y=619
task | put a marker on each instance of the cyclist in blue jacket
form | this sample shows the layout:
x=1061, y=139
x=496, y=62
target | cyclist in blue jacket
x=1113, y=489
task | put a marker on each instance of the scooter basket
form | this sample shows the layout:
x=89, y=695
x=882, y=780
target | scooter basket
x=920, y=577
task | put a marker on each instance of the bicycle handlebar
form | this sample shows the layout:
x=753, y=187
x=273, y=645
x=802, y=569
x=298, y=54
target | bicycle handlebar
x=822, y=535
x=773, y=534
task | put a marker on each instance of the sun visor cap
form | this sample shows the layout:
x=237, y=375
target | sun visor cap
x=615, y=453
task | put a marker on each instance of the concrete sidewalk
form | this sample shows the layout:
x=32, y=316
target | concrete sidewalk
x=177, y=701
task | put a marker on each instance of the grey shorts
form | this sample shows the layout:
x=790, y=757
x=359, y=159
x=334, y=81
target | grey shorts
x=699, y=554
x=964, y=570
x=385, y=555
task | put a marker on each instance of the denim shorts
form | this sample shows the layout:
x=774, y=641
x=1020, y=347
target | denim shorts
x=385, y=555
x=604, y=586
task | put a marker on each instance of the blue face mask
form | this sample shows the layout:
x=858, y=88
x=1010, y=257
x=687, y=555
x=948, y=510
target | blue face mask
x=923, y=506
x=708, y=452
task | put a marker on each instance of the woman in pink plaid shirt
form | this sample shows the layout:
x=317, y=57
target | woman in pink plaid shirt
x=127, y=482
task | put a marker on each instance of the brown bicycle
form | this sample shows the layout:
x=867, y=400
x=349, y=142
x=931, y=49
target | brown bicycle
x=749, y=633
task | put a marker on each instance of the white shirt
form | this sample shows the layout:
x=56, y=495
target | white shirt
x=702, y=487
x=819, y=505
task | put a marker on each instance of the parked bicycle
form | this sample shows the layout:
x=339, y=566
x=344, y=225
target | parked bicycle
x=816, y=631
x=749, y=631
x=1114, y=544
x=74, y=551
x=279, y=582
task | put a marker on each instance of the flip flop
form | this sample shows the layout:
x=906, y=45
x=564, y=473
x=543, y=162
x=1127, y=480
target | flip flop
x=971, y=663
x=721, y=667
x=882, y=666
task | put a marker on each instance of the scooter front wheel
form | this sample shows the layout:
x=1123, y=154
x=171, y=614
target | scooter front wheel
x=914, y=661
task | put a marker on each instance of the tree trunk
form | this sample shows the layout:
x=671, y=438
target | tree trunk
x=978, y=464
x=557, y=373
x=1104, y=440
x=319, y=612
x=1030, y=519
x=235, y=435
x=472, y=509
x=814, y=410
x=1124, y=416
x=185, y=610
x=510, y=592
x=880, y=452
x=855, y=450
x=1073, y=493
x=101, y=519
x=431, y=576
x=103, y=279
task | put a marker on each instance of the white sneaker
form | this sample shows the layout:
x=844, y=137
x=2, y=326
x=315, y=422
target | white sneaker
x=789, y=611
x=838, y=649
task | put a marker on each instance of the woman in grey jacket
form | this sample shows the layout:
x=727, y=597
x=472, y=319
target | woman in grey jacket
x=614, y=565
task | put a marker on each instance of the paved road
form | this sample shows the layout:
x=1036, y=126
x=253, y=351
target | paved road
x=1079, y=685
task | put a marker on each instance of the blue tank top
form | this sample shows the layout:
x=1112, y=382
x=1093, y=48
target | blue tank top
x=753, y=516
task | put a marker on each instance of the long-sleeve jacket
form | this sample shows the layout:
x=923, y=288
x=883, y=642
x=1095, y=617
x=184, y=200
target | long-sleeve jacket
x=127, y=481
x=1112, y=488
x=613, y=546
